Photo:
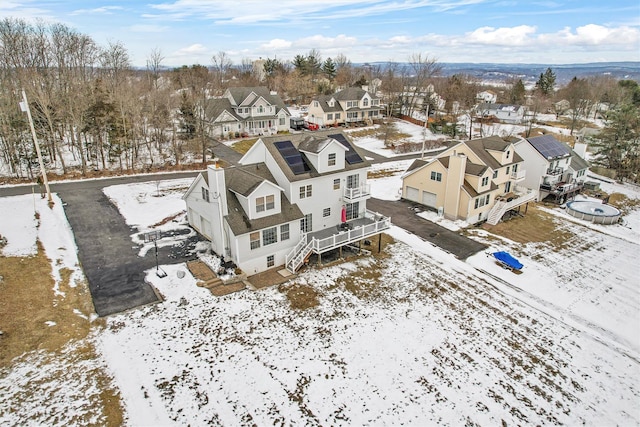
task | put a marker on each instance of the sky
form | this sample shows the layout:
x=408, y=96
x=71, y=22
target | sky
x=189, y=32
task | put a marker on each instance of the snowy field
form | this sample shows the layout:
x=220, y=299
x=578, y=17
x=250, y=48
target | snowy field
x=416, y=337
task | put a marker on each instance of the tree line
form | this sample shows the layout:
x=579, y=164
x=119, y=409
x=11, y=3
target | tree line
x=93, y=111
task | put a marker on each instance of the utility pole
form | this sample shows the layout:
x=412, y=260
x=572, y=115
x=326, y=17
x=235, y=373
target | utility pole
x=24, y=106
x=424, y=132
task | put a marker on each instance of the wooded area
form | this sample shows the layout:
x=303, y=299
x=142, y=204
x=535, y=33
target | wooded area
x=93, y=111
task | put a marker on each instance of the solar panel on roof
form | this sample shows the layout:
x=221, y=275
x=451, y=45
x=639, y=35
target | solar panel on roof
x=292, y=156
x=350, y=156
x=549, y=147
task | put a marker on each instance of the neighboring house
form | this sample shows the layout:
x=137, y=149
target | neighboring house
x=506, y=113
x=290, y=196
x=246, y=110
x=554, y=170
x=473, y=181
x=349, y=106
x=487, y=96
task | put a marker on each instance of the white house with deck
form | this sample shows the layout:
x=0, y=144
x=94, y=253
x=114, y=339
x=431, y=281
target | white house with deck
x=289, y=196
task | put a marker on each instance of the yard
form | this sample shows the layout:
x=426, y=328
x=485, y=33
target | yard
x=413, y=336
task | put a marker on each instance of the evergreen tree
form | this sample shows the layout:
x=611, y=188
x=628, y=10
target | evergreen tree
x=516, y=96
x=329, y=68
x=300, y=62
x=546, y=82
x=187, y=117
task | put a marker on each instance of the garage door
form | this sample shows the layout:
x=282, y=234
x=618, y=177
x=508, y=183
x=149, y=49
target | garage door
x=412, y=194
x=429, y=199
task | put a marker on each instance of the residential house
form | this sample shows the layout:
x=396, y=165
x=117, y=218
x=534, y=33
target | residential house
x=505, y=113
x=349, y=106
x=554, y=170
x=487, y=97
x=472, y=181
x=289, y=196
x=246, y=110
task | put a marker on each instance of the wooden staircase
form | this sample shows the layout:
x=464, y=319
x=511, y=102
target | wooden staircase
x=502, y=206
x=206, y=278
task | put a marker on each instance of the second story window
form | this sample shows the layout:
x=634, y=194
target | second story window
x=305, y=191
x=269, y=236
x=508, y=167
x=254, y=239
x=336, y=184
x=265, y=203
x=365, y=102
x=436, y=176
x=205, y=194
x=261, y=109
x=332, y=159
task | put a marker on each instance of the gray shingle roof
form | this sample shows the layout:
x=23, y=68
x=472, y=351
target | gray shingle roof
x=577, y=162
x=243, y=179
x=241, y=96
x=494, y=143
x=296, y=140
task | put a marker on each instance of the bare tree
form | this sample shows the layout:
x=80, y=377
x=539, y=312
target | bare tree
x=221, y=65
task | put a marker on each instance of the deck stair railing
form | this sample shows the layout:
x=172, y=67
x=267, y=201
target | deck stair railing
x=502, y=206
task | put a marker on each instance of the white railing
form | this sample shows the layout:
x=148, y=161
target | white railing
x=295, y=258
x=502, y=206
x=519, y=175
x=363, y=190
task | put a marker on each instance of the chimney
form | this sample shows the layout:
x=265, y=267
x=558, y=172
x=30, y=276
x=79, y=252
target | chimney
x=217, y=186
x=455, y=180
x=580, y=149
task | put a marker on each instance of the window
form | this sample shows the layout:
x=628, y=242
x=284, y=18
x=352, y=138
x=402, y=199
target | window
x=261, y=109
x=305, y=191
x=485, y=181
x=353, y=181
x=329, y=116
x=305, y=224
x=508, y=154
x=269, y=236
x=316, y=104
x=205, y=194
x=352, y=115
x=481, y=201
x=495, y=174
x=436, y=176
x=271, y=261
x=265, y=203
x=284, y=232
x=326, y=212
x=375, y=102
x=281, y=121
x=336, y=184
x=337, y=116
x=508, y=170
x=351, y=104
x=332, y=159
x=254, y=238
x=365, y=102
x=352, y=210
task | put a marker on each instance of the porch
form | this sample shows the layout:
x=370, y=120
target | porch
x=512, y=200
x=560, y=191
x=369, y=224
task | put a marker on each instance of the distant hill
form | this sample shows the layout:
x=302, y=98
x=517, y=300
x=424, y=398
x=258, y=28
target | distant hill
x=529, y=73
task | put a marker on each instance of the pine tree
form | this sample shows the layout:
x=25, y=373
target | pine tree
x=516, y=95
x=329, y=68
x=546, y=82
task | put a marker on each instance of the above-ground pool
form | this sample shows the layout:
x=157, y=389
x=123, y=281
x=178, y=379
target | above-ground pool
x=596, y=212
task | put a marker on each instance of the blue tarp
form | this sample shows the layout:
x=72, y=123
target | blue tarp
x=507, y=259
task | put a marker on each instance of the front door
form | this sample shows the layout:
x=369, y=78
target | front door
x=507, y=186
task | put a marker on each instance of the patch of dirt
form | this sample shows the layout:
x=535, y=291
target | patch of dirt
x=301, y=297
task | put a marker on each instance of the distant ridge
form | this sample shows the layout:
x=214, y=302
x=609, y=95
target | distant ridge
x=488, y=71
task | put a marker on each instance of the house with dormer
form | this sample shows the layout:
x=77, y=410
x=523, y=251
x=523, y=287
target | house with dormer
x=290, y=196
x=473, y=181
x=248, y=111
x=349, y=106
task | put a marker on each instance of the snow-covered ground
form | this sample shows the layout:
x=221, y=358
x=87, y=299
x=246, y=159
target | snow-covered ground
x=417, y=337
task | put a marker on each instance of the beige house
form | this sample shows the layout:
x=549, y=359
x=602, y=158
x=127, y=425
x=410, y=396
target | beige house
x=350, y=106
x=473, y=181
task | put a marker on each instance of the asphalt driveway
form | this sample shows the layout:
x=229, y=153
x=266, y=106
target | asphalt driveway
x=404, y=217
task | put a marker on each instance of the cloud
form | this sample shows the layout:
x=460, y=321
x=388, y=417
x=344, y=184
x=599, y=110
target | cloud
x=506, y=36
x=319, y=41
x=595, y=35
x=276, y=44
x=104, y=10
x=194, y=49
